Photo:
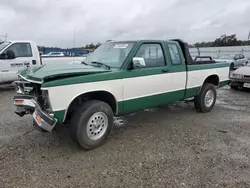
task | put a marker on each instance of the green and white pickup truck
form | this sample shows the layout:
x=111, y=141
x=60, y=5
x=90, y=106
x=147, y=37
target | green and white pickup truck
x=118, y=78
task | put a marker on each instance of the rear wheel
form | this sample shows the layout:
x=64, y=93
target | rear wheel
x=91, y=124
x=206, y=99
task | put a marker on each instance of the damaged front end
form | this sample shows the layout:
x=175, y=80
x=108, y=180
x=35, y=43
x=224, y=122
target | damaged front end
x=23, y=98
x=31, y=99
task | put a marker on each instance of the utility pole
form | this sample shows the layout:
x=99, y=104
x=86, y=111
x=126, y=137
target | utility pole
x=74, y=42
x=4, y=36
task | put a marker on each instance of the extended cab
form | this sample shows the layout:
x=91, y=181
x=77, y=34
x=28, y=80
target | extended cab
x=19, y=55
x=116, y=79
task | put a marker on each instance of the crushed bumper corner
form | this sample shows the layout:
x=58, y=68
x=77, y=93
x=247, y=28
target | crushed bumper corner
x=23, y=104
x=43, y=119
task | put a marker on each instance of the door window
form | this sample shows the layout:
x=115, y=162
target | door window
x=21, y=49
x=152, y=55
x=174, y=54
x=242, y=56
x=237, y=57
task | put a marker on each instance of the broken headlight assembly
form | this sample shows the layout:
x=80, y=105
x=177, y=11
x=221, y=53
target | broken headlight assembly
x=45, y=101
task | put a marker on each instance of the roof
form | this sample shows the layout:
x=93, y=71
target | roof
x=146, y=40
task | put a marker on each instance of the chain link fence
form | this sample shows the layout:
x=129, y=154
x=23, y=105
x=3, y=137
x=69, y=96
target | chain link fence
x=214, y=52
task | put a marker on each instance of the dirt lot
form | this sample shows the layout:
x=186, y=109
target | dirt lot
x=171, y=146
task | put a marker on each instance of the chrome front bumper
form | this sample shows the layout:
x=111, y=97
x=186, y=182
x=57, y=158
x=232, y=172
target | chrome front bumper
x=27, y=105
x=43, y=119
x=24, y=105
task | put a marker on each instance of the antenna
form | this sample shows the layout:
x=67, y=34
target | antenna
x=74, y=42
x=74, y=37
x=4, y=36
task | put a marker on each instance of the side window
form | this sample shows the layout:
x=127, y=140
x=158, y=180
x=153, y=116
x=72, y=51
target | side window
x=242, y=56
x=174, y=53
x=152, y=54
x=21, y=49
x=237, y=57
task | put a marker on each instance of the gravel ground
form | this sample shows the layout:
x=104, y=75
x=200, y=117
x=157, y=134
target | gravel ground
x=170, y=146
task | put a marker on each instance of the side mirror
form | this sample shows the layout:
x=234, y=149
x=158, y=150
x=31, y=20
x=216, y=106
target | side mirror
x=10, y=54
x=139, y=62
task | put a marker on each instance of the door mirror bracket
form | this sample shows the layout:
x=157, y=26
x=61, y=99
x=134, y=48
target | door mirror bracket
x=138, y=62
x=10, y=54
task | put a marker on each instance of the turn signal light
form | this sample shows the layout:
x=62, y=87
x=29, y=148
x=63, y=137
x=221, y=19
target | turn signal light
x=19, y=101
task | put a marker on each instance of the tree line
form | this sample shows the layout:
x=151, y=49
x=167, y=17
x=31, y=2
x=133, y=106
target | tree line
x=90, y=46
x=223, y=40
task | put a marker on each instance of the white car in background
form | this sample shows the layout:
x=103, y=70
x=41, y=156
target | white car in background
x=240, y=78
x=53, y=54
x=235, y=60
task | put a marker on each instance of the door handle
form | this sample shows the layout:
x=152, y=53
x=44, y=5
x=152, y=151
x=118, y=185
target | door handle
x=33, y=62
x=165, y=70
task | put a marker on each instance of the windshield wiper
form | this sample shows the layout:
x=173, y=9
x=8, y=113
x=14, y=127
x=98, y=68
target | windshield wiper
x=99, y=63
x=83, y=62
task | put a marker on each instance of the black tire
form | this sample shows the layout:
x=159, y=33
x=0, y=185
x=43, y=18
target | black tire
x=234, y=87
x=199, y=101
x=79, y=124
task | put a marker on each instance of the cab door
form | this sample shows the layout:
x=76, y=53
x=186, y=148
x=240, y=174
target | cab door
x=23, y=59
x=153, y=84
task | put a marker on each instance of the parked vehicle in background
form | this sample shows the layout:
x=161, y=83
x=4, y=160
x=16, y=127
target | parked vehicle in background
x=15, y=56
x=240, y=78
x=18, y=55
x=54, y=54
x=235, y=60
x=118, y=78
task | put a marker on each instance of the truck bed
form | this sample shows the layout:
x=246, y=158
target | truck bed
x=188, y=58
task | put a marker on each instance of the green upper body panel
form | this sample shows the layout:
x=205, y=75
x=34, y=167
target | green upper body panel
x=49, y=71
x=120, y=65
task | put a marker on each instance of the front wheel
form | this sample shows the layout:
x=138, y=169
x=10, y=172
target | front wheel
x=91, y=124
x=206, y=99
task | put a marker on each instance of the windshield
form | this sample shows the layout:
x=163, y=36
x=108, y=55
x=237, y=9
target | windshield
x=225, y=56
x=111, y=54
x=3, y=45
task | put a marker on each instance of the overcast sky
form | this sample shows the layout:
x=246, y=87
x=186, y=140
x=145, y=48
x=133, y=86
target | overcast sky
x=52, y=22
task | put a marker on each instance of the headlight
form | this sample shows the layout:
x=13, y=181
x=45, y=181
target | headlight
x=46, y=102
x=239, y=76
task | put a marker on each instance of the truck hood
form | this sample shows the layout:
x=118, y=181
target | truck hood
x=243, y=71
x=52, y=71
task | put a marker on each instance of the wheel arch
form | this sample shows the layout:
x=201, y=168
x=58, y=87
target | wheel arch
x=212, y=79
x=102, y=95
